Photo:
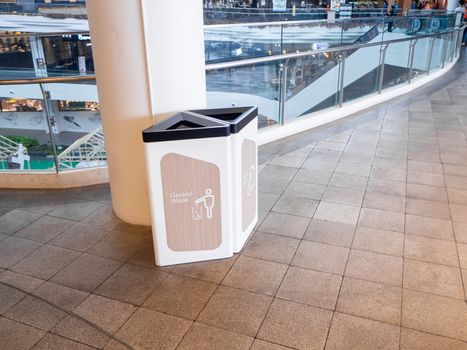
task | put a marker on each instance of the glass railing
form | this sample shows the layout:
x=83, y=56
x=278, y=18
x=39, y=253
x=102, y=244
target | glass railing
x=52, y=123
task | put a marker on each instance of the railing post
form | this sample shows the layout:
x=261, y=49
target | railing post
x=444, y=49
x=283, y=91
x=411, y=57
x=430, y=55
x=46, y=99
x=341, y=78
x=460, y=36
x=382, y=59
x=453, y=47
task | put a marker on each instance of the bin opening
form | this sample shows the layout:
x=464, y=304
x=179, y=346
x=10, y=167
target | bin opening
x=184, y=125
x=237, y=117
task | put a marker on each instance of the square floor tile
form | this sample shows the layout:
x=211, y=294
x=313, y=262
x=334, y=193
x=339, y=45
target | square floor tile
x=13, y=249
x=281, y=172
x=427, y=167
x=118, y=245
x=45, y=261
x=271, y=184
x=379, y=241
x=35, y=312
x=430, y=193
x=433, y=279
x=131, y=284
x=370, y=300
x=355, y=169
x=425, y=178
x=9, y=297
x=80, y=237
x=210, y=271
x=108, y=314
x=350, y=332
x=77, y=210
x=103, y=217
x=51, y=341
x=76, y=329
x=201, y=336
x=457, y=196
x=343, y=196
x=462, y=251
x=382, y=219
x=20, y=281
x=267, y=200
x=271, y=247
x=460, y=229
x=296, y=206
x=86, y=272
x=348, y=181
x=181, y=296
x=310, y=287
x=337, y=212
x=285, y=225
x=61, y=296
x=321, y=257
x=45, y=229
x=414, y=340
x=387, y=187
x=434, y=314
x=255, y=275
x=296, y=325
x=429, y=227
x=305, y=190
x=384, y=173
x=458, y=212
x=388, y=202
x=375, y=267
x=15, y=220
x=431, y=250
x=428, y=208
x=313, y=176
x=236, y=310
x=16, y=335
x=330, y=232
x=264, y=345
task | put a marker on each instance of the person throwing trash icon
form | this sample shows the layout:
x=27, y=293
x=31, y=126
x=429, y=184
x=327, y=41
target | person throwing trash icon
x=208, y=202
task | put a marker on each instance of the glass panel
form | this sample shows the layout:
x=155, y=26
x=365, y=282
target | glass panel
x=312, y=84
x=420, y=61
x=24, y=134
x=252, y=85
x=77, y=125
x=396, y=64
x=437, y=52
x=361, y=72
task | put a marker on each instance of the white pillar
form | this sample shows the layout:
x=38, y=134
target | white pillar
x=452, y=4
x=149, y=61
x=38, y=56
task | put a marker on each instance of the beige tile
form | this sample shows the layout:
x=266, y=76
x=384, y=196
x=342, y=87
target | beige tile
x=305, y=190
x=348, y=181
x=459, y=182
x=458, y=212
x=425, y=178
x=462, y=250
x=139, y=332
x=264, y=345
x=211, y=271
x=457, y=196
x=385, y=173
x=343, y=196
x=431, y=193
x=415, y=340
x=431, y=250
x=313, y=176
x=389, y=202
x=427, y=167
x=388, y=187
x=54, y=342
x=310, y=287
x=337, y=212
x=22, y=282
x=255, y=275
x=379, y=241
x=375, y=267
x=460, y=229
x=321, y=257
x=429, y=227
x=181, y=296
x=350, y=332
x=355, y=169
x=106, y=313
x=271, y=247
x=330, y=232
x=434, y=314
x=381, y=219
x=236, y=310
x=285, y=225
x=201, y=336
x=433, y=278
x=18, y=336
x=428, y=208
x=296, y=325
x=370, y=300
x=296, y=206
x=64, y=297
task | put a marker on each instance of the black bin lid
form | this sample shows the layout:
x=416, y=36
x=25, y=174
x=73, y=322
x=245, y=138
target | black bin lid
x=184, y=126
x=237, y=117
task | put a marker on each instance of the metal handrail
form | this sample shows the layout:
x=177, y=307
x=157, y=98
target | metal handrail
x=48, y=80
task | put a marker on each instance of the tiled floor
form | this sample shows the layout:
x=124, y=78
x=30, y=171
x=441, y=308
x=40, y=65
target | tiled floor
x=361, y=244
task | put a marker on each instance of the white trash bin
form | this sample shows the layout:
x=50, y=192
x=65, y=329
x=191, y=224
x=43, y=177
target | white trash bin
x=243, y=123
x=189, y=175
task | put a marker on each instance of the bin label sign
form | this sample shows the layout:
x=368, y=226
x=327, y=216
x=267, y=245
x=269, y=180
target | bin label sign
x=249, y=186
x=192, y=203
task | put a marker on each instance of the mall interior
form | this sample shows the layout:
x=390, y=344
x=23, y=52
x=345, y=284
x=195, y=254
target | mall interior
x=233, y=175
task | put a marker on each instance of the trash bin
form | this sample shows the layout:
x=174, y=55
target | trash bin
x=189, y=179
x=243, y=123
